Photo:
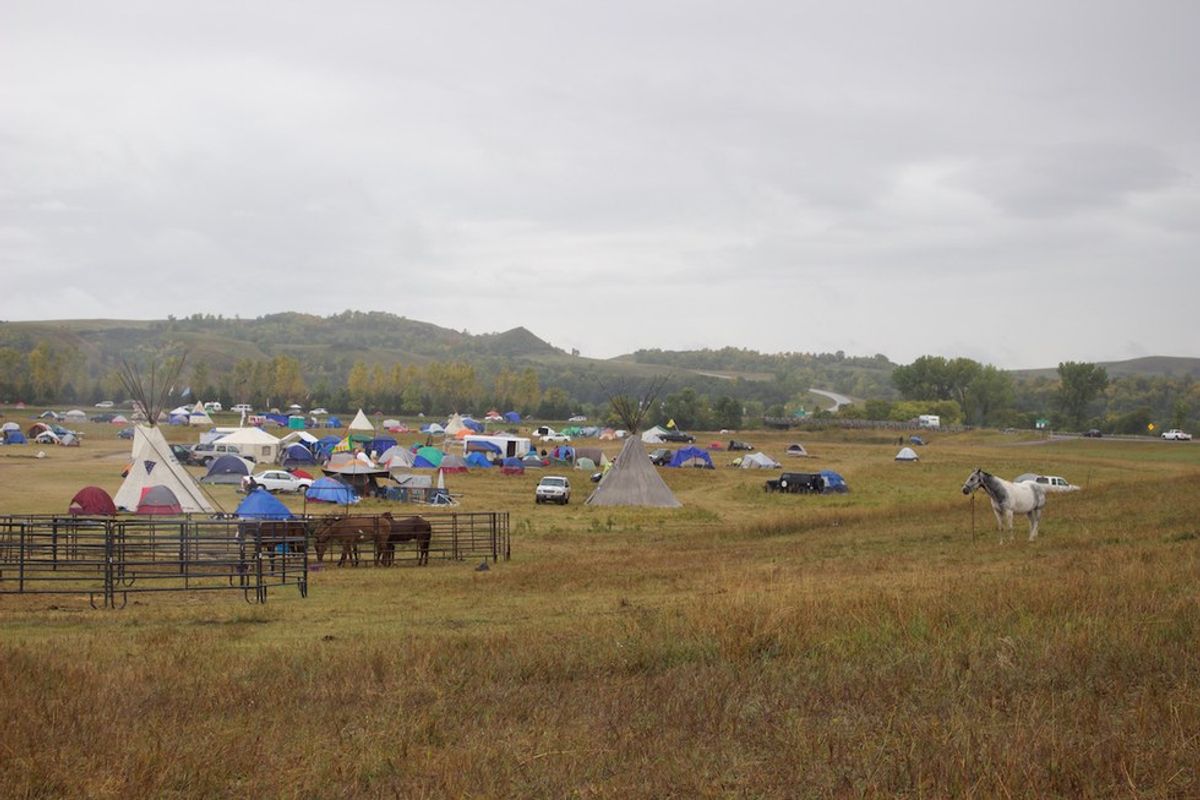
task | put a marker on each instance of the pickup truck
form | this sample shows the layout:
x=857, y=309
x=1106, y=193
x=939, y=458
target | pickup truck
x=1176, y=435
x=553, y=489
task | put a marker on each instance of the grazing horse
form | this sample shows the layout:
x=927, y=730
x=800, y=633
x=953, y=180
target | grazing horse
x=350, y=532
x=404, y=529
x=1007, y=498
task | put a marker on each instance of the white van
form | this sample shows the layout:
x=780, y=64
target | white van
x=929, y=421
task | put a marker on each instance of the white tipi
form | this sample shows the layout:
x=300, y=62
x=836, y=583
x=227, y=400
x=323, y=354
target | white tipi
x=361, y=423
x=153, y=465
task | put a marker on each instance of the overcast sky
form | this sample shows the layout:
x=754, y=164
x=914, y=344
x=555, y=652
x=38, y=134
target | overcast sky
x=1010, y=181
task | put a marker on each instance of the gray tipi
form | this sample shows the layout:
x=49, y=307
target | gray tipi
x=633, y=481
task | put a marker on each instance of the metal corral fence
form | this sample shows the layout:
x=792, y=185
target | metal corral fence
x=110, y=557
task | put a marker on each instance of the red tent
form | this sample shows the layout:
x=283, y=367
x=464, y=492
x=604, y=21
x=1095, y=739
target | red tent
x=92, y=500
x=158, y=500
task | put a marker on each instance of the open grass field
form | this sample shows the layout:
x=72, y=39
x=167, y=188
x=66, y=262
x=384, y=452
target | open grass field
x=746, y=645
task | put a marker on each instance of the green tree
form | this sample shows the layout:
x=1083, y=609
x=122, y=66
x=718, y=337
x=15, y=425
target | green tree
x=555, y=404
x=1079, y=384
x=988, y=395
x=727, y=413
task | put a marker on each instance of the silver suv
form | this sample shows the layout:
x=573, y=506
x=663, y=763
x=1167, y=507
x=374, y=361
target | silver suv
x=553, y=489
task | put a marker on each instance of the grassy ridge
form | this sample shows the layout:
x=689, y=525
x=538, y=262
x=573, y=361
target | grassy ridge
x=746, y=645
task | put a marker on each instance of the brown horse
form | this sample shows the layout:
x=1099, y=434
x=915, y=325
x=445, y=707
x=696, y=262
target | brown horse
x=274, y=537
x=350, y=532
x=405, y=529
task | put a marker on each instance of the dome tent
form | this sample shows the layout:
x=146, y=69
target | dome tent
x=92, y=500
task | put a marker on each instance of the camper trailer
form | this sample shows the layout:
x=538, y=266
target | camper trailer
x=929, y=421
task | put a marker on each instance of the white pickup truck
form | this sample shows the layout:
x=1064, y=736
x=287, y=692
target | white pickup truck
x=1176, y=435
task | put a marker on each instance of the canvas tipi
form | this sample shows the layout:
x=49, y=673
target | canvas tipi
x=154, y=465
x=361, y=423
x=632, y=480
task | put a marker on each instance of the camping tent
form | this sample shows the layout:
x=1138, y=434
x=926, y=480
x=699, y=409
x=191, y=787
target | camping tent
x=92, y=500
x=361, y=423
x=691, y=457
x=512, y=466
x=478, y=460
x=396, y=457
x=796, y=449
x=453, y=463
x=331, y=490
x=654, y=435
x=585, y=463
x=75, y=415
x=593, y=454
x=158, y=499
x=14, y=437
x=296, y=455
x=759, y=461
x=532, y=459
x=10, y=426
x=261, y=504
x=907, y=454
x=199, y=416
x=227, y=469
x=633, y=481
x=512, y=416
x=153, y=464
x=834, y=483
x=428, y=457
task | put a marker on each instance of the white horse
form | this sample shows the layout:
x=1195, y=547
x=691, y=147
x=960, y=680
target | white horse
x=1022, y=498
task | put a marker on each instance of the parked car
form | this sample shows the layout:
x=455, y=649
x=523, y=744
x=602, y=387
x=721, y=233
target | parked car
x=734, y=444
x=553, y=489
x=1092, y=433
x=677, y=436
x=276, y=480
x=240, y=407
x=578, y=418
x=661, y=457
x=183, y=454
x=1176, y=435
x=104, y=404
x=556, y=437
x=101, y=418
x=205, y=453
x=1051, y=483
x=213, y=405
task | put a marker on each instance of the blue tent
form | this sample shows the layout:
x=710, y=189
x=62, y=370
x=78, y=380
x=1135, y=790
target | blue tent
x=296, y=455
x=226, y=469
x=261, y=504
x=691, y=457
x=564, y=453
x=325, y=445
x=331, y=490
x=478, y=460
x=834, y=483
x=513, y=461
x=333, y=422
x=512, y=416
x=178, y=419
x=279, y=419
x=479, y=446
x=473, y=425
x=15, y=437
x=380, y=444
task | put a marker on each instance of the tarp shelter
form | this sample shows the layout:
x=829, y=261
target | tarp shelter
x=325, y=445
x=512, y=416
x=759, y=461
x=428, y=457
x=907, y=454
x=474, y=425
x=691, y=457
x=834, y=483
x=296, y=455
x=796, y=449
x=362, y=461
x=261, y=504
x=482, y=446
x=361, y=423
x=92, y=500
x=301, y=437
x=254, y=443
x=153, y=464
x=633, y=481
x=331, y=490
x=478, y=460
x=158, y=499
x=512, y=466
x=227, y=469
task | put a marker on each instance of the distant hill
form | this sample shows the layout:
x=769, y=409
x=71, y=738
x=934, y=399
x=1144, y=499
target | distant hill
x=1150, y=366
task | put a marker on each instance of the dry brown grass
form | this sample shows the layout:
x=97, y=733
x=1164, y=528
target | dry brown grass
x=746, y=645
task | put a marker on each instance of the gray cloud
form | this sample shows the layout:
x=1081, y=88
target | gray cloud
x=953, y=178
